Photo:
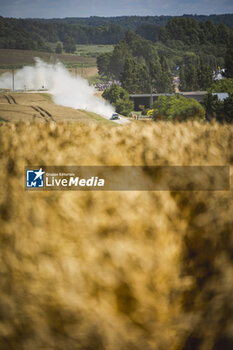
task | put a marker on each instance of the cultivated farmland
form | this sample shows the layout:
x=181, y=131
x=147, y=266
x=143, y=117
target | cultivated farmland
x=19, y=58
x=39, y=107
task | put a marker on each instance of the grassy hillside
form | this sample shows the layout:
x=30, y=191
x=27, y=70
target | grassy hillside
x=38, y=107
x=114, y=270
x=86, y=50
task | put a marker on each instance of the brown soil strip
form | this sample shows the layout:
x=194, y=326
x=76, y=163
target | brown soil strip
x=37, y=110
x=48, y=114
x=43, y=110
x=8, y=100
x=13, y=99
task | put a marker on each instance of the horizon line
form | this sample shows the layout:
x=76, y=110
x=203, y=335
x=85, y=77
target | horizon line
x=94, y=16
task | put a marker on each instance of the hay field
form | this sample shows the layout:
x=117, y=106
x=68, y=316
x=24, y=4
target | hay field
x=114, y=270
x=39, y=107
x=84, y=72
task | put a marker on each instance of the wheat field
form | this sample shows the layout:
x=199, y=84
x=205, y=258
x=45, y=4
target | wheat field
x=39, y=108
x=114, y=270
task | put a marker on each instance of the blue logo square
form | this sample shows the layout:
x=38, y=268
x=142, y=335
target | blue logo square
x=35, y=178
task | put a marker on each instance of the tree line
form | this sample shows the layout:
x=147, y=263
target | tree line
x=34, y=33
x=133, y=22
x=144, y=67
x=13, y=36
x=190, y=31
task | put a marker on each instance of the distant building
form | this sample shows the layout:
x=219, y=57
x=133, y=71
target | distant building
x=221, y=95
x=219, y=75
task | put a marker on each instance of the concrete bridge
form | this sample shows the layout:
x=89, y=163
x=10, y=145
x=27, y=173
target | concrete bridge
x=147, y=100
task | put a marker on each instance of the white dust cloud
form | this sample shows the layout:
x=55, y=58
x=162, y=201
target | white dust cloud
x=66, y=89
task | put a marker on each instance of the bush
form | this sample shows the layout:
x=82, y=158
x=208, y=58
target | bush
x=224, y=85
x=59, y=48
x=177, y=108
x=222, y=111
x=119, y=98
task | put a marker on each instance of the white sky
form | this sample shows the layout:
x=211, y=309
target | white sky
x=84, y=8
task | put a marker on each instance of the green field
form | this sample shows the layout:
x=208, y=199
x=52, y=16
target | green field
x=92, y=50
x=84, y=50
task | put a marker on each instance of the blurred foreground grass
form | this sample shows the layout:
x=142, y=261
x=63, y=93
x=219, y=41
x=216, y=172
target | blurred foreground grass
x=114, y=270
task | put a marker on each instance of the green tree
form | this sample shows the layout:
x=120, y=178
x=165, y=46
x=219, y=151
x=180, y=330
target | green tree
x=223, y=34
x=165, y=84
x=177, y=108
x=191, y=58
x=148, y=32
x=210, y=32
x=119, y=98
x=155, y=72
x=133, y=47
x=223, y=85
x=188, y=78
x=204, y=77
x=59, y=48
x=222, y=111
x=228, y=109
x=117, y=61
x=124, y=106
x=229, y=62
x=135, y=77
x=114, y=93
x=195, y=75
x=69, y=45
x=103, y=62
x=212, y=106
